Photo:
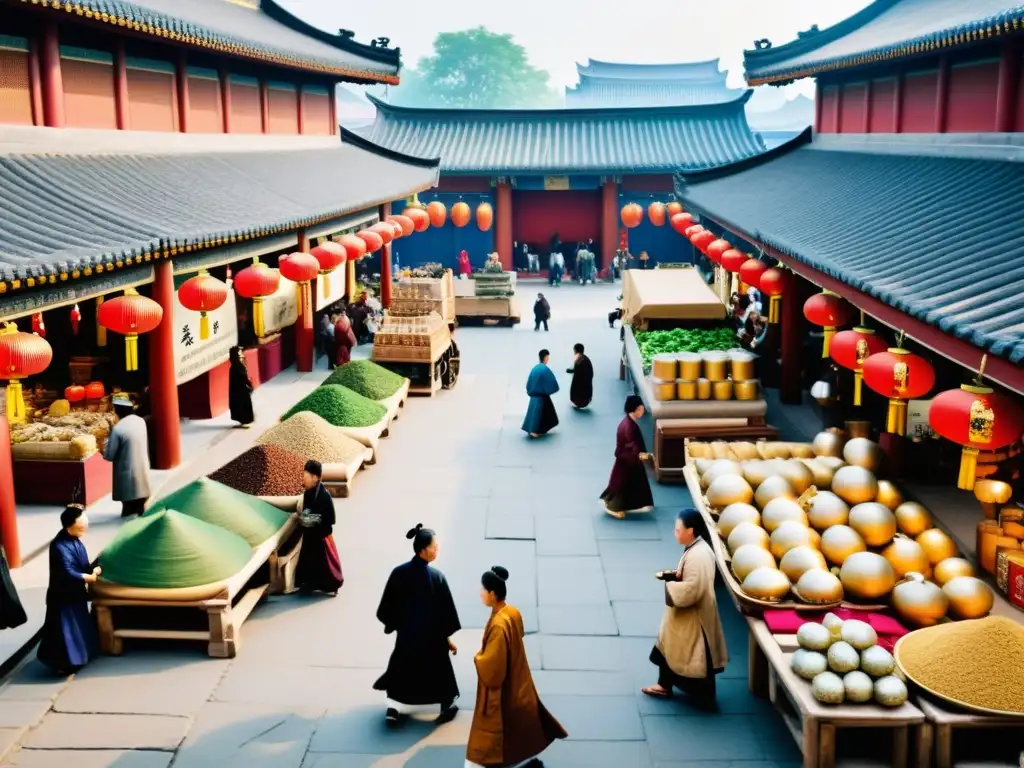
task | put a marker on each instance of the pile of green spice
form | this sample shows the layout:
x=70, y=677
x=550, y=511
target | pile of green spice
x=340, y=406
x=677, y=340
x=367, y=378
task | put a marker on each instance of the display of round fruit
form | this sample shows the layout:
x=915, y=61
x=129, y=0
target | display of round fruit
x=719, y=468
x=834, y=625
x=906, y=556
x=729, y=489
x=832, y=462
x=800, y=559
x=889, y=495
x=781, y=510
x=950, y=568
x=843, y=657
x=827, y=444
x=734, y=514
x=969, y=597
x=937, y=545
x=789, y=535
x=919, y=602
x=768, y=584
x=866, y=576
x=861, y=452
x=854, y=485
x=797, y=475
x=748, y=559
x=747, y=533
x=858, y=686
x=821, y=473
x=877, y=661
x=890, y=691
x=825, y=509
x=912, y=518
x=773, y=487
x=875, y=523
x=858, y=634
x=818, y=587
x=808, y=664
x=839, y=542
x=813, y=637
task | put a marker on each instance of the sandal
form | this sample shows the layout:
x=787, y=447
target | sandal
x=656, y=692
x=616, y=515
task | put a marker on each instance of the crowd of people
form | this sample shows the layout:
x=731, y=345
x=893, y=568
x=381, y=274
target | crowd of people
x=343, y=325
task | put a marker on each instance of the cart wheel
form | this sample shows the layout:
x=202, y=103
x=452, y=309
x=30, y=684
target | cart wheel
x=450, y=374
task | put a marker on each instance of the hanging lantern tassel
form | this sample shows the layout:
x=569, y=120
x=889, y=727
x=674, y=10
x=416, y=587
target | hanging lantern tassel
x=896, y=418
x=858, y=385
x=830, y=331
x=258, y=326
x=298, y=297
x=204, y=326
x=326, y=277
x=131, y=351
x=968, y=468
x=101, y=332
x=15, y=403
x=774, y=309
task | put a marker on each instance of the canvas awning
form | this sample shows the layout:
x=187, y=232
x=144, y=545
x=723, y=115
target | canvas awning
x=668, y=294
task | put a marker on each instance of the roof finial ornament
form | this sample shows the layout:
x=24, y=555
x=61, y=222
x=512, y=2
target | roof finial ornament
x=763, y=44
x=381, y=42
x=346, y=34
x=808, y=33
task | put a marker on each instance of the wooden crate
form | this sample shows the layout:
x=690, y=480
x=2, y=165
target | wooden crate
x=670, y=436
x=936, y=741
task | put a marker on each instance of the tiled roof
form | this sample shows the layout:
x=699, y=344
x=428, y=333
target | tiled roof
x=886, y=29
x=268, y=33
x=695, y=70
x=568, y=141
x=61, y=214
x=933, y=230
x=624, y=92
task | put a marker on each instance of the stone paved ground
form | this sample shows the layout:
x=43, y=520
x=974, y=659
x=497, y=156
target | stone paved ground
x=299, y=693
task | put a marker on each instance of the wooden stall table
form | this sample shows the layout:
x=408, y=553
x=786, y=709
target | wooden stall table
x=942, y=719
x=812, y=723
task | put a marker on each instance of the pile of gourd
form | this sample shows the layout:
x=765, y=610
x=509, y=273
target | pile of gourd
x=844, y=663
x=814, y=521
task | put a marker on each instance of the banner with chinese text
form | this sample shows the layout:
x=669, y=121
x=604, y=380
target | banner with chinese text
x=194, y=356
x=281, y=309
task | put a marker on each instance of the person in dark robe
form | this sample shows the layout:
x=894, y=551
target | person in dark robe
x=12, y=614
x=319, y=567
x=418, y=605
x=628, y=489
x=541, y=417
x=240, y=389
x=68, y=641
x=344, y=339
x=325, y=334
x=541, y=312
x=581, y=391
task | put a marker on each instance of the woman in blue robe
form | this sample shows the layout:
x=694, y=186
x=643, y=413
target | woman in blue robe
x=540, y=386
x=68, y=639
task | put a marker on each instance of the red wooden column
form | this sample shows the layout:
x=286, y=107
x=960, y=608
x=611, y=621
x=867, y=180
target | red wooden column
x=897, y=105
x=181, y=78
x=942, y=96
x=35, y=82
x=265, y=107
x=121, y=88
x=790, y=384
x=1006, y=94
x=866, y=125
x=385, y=263
x=304, y=325
x=163, y=385
x=53, y=82
x=8, y=520
x=503, y=223
x=609, y=221
x=332, y=107
x=817, y=106
x=225, y=99
x=300, y=109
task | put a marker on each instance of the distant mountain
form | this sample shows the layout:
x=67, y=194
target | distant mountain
x=794, y=115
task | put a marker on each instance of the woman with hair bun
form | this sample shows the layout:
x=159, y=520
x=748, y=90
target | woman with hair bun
x=418, y=605
x=510, y=724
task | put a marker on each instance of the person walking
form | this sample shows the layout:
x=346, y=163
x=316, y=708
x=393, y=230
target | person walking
x=127, y=448
x=418, y=605
x=628, y=489
x=691, y=648
x=319, y=566
x=344, y=340
x=541, y=384
x=511, y=726
x=240, y=389
x=541, y=312
x=326, y=334
x=581, y=391
x=12, y=613
x=68, y=640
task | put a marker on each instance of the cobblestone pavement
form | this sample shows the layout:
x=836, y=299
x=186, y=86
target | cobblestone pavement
x=299, y=693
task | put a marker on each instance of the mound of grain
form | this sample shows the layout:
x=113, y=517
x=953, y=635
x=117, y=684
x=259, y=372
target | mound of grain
x=367, y=378
x=339, y=406
x=264, y=470
x=310, y=437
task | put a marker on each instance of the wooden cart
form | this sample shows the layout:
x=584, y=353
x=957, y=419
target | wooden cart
x=421, y=349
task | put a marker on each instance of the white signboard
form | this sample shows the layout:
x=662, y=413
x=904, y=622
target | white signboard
x=335, y=290
x=918, y=427
x=193, y=355
x=281, y=309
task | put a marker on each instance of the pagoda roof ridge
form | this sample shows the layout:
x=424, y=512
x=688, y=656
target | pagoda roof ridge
x=670, y=70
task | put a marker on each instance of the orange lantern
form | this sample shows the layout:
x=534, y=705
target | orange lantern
x=632, y=214
x=733, y=260
x=674, y=208
x=900, y=376
x=384, y=230
x=681, y=222
x=703, y=239
x=256, y=282
x=484, y=216
x=977, y=418
x=21, y=355
x=300, y=268
x=406, y=222
x=850, y=349
x=772, y=284
x=372, y=239
x=130, y=315
x=460, y=214
x=420, y=218
x=437, y=212
x=203, y=293
x=751, y=271
x=716, y=248
x=828, y=310
x=396, y=229
x=656, y=213
x=692, y=230
x=355, y=247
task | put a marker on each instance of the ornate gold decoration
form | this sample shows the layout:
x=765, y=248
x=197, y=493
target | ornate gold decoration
x=982, y=422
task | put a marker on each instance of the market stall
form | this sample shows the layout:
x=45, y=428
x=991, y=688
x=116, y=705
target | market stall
x=488, y=297
x=425, y=291
x=420, y=349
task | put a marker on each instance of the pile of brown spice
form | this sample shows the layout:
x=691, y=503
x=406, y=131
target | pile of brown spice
x=264, y=470
x=974, y=662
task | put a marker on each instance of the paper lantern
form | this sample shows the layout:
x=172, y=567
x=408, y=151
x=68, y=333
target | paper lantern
x=692, y=230
x=385, y=230
x=300, y=268
x=703, y=240
x=407, y=223
x=76, y=319
x=95, y=390
x=681, y=222
x=438, y=213
x=372, y=239
x=420, y=218
x=850, y=349
x=900, y=376
x=256, y=282
x=751, y=271
x=772, y=284
x=656, y=213
x=396, y=229
x=75, y=393
x=632, y=214
x=484, y=216
x=203, y=293
x=329, y=256
x=716, y=248
x=355, y=247
x=828, y=310
x=977, y=418
x=130, y=315
x=21, y=355
x=460, y=214
x=674, y=208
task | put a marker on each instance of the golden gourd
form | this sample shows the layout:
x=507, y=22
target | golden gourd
x=950, y=568
x=889, y=495
x=818, y=586
x=919, y=602
x=755, y=472
x=832, y=462
x=797, y=475
x=839, y=542
x=798, y=560
x=748, y=559
x=861, y=452
x=717, y=469
x=912, y=518
x=801, y=450
x=854, y=485
x=766, y=584
x=867, y=576
x=875, y=523
x=825, y=509
x=827, y=444
x=781, y=510
x=821, y=473
x=791, y=534
x=969, y=598
x=773, y=487
x=937, y=545
x=734, y=514
x=729, y=489
x=747, y=533
x=906, y=556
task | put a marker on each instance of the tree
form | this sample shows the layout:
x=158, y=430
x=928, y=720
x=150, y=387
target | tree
x=476, y=68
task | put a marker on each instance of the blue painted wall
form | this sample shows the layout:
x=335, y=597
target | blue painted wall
x=442, y=245
x=661, y=243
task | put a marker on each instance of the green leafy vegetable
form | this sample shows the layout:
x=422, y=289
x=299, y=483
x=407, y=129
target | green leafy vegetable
x=677, y=340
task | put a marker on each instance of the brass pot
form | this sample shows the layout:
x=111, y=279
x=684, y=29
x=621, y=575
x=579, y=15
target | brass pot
x=722, y=389
x=937, y=545
x=912, y=518
x=839, y=542
x=686, y=389
x=828, y=444
x=716, y=365
x=950, y=568
x=703, y=389
x=969, y=597
x=919, y=602
x=867, y=576
x=689, y=366
x=664, y=367
x=663, y=390
x=746, y=389
x=854, y=485
x=858, y=429
x=874, y=522
x=862, y=452
x=742, y=365
x=889, y=495
x=825, y=509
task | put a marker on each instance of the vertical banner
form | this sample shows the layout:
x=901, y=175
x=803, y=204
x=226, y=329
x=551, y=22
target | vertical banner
x=194, y=356
x=281, y=309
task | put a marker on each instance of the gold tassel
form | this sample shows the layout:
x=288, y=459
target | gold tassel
x=858, y=385
x=204, y=326
x=15, y=403
x=896, y=419
x=326, y=277
x=830, y=331
x=298, y=297
x=350, y=284
x=257, y=318
x=968, y=468
x=101, y=332
x=774, y=309
x=131, y=352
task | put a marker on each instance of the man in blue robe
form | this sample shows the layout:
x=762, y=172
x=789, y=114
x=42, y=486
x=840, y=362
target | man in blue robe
x=540, y=386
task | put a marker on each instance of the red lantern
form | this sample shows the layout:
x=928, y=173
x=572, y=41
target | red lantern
x=374, y=242
x=681, y=222
x=733, y=260
x=716, y=248
x=396, y=229
x=460, y=214
x=977, y=418
x=751, y=271
x=21, y=355
x=385, y=230
x=75, y=393
x=484, y=216
x=772, y=284
x=329, y=256
x=900, y=376
x=76, y=318
x=438, y=213
x=95, y=390
x=300, y=268
x=632, y=214
x=703, y=239
x=355, y=247
x=420, y=218
x=850, y=349
x=828, y=310
x=130, y=315
x=38, y=325
x=406, y=222
x=203, y=293
x=256, y=282
x=656, y=213
x=674, y=208
x=692, y=230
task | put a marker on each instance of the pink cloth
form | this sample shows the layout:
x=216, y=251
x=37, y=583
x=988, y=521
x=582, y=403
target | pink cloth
x=787, y=622
x=465, y=268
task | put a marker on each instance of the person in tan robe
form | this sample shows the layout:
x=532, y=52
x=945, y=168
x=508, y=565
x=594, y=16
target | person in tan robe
x=691, y=643
x=510, y=724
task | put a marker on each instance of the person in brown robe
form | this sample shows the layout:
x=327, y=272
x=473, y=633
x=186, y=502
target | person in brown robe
x=628, y=489
x=510, y=724
x=344, y=340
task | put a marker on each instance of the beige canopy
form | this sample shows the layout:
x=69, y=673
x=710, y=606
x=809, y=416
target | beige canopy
x=668, y=294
